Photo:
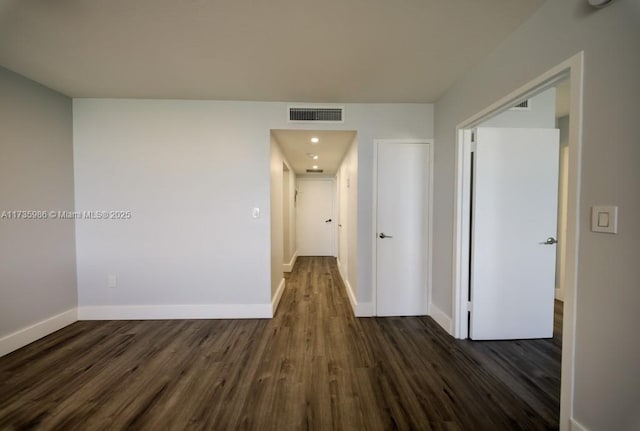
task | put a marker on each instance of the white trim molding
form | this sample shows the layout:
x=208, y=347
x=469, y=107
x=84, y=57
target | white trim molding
x=342, y=272
x=441, y=318
x=351, y=295
x=276, y=298
x=288, y=267
x=181, y=311
x=363, y=309
x=28, y=335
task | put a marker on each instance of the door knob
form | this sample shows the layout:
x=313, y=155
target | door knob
x=328, y=221
x=383, y=236
x=550, y=241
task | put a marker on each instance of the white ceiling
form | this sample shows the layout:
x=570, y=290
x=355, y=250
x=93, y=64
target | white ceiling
x=276, y=50
x=330, y=149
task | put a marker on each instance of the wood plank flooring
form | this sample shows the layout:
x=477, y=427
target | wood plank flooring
x=313, y=367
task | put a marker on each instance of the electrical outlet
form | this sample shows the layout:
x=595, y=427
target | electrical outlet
x=112, y=281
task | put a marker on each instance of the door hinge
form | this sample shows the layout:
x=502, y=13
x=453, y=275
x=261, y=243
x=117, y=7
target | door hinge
x=469, y=306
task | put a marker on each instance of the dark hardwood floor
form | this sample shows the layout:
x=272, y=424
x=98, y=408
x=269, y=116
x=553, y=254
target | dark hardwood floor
x=313, y=367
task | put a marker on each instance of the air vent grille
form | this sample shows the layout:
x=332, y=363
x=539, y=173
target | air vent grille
x=315, y=114
x=522, y=106
x=315, y=171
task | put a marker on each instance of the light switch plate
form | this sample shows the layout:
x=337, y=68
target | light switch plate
x=604, y=219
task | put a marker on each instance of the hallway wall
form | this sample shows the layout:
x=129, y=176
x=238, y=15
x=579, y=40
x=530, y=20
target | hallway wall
x=277, y=219
x=347, y=180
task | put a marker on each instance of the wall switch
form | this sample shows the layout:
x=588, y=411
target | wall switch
x=255, y=213
x=604, y=219
x=112, y=281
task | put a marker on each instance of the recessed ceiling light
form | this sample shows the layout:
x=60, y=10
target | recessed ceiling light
x=315, y=166
x=313, y=156
x=315, y=140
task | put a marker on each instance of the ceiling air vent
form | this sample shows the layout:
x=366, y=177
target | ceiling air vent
x=315, y=171
x=522, y=106
x=298, y=114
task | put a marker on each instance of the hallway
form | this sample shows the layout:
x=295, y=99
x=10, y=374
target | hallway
x=314, y=366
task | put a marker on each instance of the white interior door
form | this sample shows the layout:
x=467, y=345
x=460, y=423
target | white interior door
x=315, y=226
x=515, y=196
x=402, y=215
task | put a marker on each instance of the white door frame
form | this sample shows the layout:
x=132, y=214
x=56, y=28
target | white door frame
x=334, y=231
x=374, y=218
x=572, y=69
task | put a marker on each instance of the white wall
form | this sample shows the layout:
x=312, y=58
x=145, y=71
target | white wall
x=277, y=217
x=347, y=180
x=288, y=243
x=38, y=284
x=607, y=376
x=342, y=185
x=191, y=172
x=540, y=114
x=355, y=215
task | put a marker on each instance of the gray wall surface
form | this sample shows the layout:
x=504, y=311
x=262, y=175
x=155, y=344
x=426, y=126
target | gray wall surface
x=37, y=269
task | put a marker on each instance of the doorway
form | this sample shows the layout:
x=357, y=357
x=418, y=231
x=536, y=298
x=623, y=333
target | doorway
x=571, y=69
x=511, y=182
x=314, y=193
x=513, y=232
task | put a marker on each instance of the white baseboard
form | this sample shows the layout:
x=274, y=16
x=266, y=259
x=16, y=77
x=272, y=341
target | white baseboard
x=343, y=274
x=559, y=294
x=288, y=267
x=363, y=309
x=350, y=294
x=577, y=426
x=165, y=312
x=276, y=298
x=28, y=335
x=441, y=318
x=352, y=297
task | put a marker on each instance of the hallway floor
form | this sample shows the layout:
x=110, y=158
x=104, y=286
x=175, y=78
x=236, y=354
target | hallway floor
x=313, y=367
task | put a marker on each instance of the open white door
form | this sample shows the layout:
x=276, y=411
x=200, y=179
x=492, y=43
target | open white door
x=315, y=227
x=402, y=229
x=514, y=227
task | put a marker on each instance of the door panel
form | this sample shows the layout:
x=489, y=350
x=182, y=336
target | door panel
x=402, y=214
x=514, y=212
x=315, y=235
